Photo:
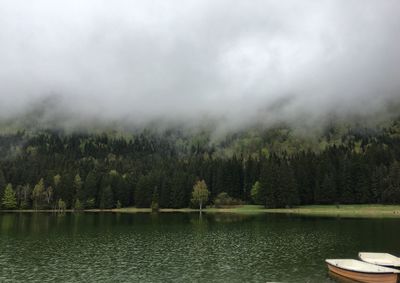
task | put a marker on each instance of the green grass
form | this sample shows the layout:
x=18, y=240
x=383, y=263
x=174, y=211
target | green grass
x=362, y=210
x=317, y=210
x=353, y=211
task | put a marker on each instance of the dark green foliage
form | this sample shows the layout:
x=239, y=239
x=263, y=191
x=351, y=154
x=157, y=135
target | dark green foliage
x=145, y=189
x=325, y=192
x=2, y=183
x=89, y=191
x=105, y=171
x=106, y=198
x=391, y=193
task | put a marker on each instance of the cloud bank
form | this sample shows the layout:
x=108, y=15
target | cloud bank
x=237, y=62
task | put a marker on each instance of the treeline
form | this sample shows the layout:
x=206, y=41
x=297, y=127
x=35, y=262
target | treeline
x=51, y=170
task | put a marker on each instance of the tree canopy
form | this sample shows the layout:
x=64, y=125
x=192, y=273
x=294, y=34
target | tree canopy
x=273, y=168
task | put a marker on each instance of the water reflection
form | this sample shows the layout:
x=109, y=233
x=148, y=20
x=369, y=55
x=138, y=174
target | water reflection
x=183, y=247
x=228, y=217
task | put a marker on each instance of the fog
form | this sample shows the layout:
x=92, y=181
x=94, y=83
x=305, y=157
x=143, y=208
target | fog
x=235, y=63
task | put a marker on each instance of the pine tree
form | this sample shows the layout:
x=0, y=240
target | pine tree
x=326, y=192
x=391, y=194
x=2, y=183
x=256, y=193
x=290, y=193
x=77, y=185
x=9, y=200
x=89, y=188
x=106, y=198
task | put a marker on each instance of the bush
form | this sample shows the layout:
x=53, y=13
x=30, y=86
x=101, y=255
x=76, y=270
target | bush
x=223, y=200
x=78, y=205
x=90, y=203
x=119, y=205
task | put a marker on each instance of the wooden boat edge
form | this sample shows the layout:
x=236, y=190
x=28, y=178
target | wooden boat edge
x=364, y=276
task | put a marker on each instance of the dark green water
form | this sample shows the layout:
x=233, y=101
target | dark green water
x=107, y=247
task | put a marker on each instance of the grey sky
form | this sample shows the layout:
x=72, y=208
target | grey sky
x=237, y=61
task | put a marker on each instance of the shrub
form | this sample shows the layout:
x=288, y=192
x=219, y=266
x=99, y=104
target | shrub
x=223, y=199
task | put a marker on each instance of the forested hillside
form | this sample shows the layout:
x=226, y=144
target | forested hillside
x=275, y=167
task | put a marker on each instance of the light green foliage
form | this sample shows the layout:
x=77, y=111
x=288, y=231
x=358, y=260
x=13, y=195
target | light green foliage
x=119, y=205
x=200, y=193
x=113, y=172
x=90, y=203
x=48, y=193
x=61, y=205
x=38, y=193
x=78, y=205
x=57, y=180
x=154, y=206
x=77, y=183
x=31, y=150
x=256, y=193
x=9, y=200
x=223, y=199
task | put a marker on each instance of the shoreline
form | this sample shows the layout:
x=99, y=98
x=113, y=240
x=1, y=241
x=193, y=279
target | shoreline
x=345, y=211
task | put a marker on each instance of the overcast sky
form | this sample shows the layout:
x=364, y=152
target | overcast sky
x=184, y=60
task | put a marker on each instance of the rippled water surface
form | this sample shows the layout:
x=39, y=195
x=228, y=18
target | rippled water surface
x=108, y=247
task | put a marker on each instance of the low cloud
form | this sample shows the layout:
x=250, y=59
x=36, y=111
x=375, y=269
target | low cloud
x=235, y=62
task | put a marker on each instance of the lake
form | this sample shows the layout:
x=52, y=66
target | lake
x=183, y=247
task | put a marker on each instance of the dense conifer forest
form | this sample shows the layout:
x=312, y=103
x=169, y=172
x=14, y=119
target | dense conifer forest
x=51, y=169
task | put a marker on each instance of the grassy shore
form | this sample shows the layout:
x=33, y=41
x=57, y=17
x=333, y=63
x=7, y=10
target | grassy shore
x=317, y=210
x=357, y=211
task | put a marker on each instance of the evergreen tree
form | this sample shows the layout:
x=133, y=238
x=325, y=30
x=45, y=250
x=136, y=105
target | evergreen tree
x=144, y=191
x=256, y=193
x=106, y=198
x=77, y=185
x=326, y=192
x=89, y=189
x=9, y=200
x=290, y=194
x=391, y=194
x=2, y=183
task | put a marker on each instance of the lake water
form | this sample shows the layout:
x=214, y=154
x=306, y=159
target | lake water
x=183, y=247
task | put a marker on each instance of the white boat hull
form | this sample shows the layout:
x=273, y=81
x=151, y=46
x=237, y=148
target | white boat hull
x=383, y=259
x=365, y=277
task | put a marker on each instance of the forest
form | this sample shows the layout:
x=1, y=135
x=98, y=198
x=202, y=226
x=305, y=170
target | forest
x=50, y=169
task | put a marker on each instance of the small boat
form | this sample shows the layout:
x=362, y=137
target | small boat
x=383, y=259
x=362, y=271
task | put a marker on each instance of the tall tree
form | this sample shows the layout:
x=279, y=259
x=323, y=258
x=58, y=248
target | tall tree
x=392, y=192
x=38, y=194
x=200, y=194
x=9, y=200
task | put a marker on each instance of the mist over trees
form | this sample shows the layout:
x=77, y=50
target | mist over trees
x=55, y=170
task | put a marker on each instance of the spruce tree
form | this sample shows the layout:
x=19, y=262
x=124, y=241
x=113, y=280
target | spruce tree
x=9, y=200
